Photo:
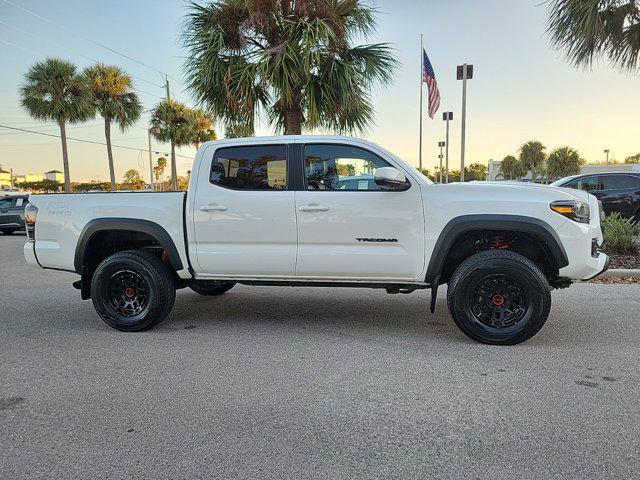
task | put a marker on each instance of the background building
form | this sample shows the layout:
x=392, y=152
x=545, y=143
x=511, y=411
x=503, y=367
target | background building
x=5, y=179
x=56, y=175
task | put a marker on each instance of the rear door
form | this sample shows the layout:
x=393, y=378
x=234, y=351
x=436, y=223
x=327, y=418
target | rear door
x=348, y=227
x=244, y=213
x=618, y=193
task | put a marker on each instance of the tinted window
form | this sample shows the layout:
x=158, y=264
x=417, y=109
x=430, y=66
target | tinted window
x=19, y=202
x=584, y=183
x=250, y=168
x=341, y=167
x=619, y=182
x=5, y=203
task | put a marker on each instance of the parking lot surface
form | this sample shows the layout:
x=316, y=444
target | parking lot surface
x=311, y=383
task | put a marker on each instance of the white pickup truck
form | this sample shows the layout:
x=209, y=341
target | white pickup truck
x=324, y=211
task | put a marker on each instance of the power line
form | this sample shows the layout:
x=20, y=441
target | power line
x=38, y=37
x=49, y=128
x=82, y=140
x=59, y=25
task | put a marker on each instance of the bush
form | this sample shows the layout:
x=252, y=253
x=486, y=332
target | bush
x=619, y=234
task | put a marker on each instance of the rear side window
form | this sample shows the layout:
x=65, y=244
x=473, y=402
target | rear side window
x=19, y=202
x=5, y=203
x=250, y=168
x=619, y=182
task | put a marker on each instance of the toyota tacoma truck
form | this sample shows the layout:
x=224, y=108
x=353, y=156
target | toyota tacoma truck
x=322, y=211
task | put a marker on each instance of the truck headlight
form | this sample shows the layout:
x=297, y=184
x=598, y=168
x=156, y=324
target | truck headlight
x=573, y=209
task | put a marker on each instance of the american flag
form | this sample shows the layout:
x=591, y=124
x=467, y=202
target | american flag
x=429, y=77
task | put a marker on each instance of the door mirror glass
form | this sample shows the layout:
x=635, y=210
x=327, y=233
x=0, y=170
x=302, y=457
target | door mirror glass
x=390, y=178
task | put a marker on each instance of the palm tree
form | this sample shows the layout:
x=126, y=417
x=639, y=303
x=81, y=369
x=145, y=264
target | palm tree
x=172, y=122
x=562, y=162
x=158, y=171
x=294, y=60
x=532, y=157
x=590, y=29
x=510, y=167
x=54, y=91
x=115, y=100
x=203, y=127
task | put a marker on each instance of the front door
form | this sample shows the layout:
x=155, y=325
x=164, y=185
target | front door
x=348, y=227
x=8, y=218
x=244, y=214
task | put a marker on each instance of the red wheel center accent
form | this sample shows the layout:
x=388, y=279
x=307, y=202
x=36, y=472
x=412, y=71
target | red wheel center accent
x=129, y=292
x=498, y=300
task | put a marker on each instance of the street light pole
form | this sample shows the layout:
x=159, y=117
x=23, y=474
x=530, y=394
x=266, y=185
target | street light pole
x=441, y=145
x=465, y=72
x=606, y=151
x=446, y=116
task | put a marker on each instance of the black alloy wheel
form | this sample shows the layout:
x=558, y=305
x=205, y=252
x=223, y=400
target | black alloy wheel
x=499, y=297
x=133, y=290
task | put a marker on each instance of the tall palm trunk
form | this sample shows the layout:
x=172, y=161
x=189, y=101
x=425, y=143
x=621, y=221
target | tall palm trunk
x=174, y=170
x=65, y=156
x=293, y=121
x=107, y=135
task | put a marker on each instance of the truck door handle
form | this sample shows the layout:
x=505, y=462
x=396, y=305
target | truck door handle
x=213, y=208
x=314, y=207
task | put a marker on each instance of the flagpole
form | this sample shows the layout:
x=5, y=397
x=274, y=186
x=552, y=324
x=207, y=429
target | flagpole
x=421, y=80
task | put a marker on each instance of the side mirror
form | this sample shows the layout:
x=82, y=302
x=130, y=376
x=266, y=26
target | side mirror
x=390, y=178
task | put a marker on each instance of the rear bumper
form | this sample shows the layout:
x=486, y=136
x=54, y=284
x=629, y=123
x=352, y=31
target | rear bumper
x=29, y=251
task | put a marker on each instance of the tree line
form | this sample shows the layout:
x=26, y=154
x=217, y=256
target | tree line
x=54, y=90
x=532, y=157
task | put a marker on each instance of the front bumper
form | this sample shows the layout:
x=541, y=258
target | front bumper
x=29, y=251
x=604, y=269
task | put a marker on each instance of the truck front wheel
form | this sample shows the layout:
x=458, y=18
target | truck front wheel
x=207, y=287
x=499, y=297
x=133, y=291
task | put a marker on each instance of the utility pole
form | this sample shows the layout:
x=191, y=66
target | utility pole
x=446, y=116
x=421, y=81
x=166, y=84
x=606, y=151
x=465, y=72
x=149, y=132
x=441, y=145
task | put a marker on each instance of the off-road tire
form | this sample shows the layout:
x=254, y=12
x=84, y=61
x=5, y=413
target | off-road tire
x=522, y=294
x=207, y=287
x=149, y=278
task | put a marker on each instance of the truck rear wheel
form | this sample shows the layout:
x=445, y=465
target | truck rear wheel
x=207, y=287
x=499, y=297
x=133, y=291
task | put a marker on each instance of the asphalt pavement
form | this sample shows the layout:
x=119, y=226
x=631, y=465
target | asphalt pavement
x=311, y=383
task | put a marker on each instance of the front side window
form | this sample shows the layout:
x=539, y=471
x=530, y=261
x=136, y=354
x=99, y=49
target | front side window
x=341, y=167
x=584, y=183
x=5, y=203
x=250, y=168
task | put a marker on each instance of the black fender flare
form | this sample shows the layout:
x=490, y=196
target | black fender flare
x=129, y=224
x=516, y=223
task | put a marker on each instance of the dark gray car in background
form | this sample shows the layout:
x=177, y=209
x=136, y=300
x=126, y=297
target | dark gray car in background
x=12, y=213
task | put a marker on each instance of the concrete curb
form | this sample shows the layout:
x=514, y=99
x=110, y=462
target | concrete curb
x=622, y=273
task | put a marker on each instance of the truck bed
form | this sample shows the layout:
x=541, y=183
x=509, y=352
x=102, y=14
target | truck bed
x=63, y=217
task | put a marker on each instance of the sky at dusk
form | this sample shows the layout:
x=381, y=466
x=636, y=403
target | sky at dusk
x=522, y=89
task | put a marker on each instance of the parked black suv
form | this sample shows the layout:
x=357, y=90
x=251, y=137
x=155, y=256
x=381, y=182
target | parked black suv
x=618, y=191
x=12, y=213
